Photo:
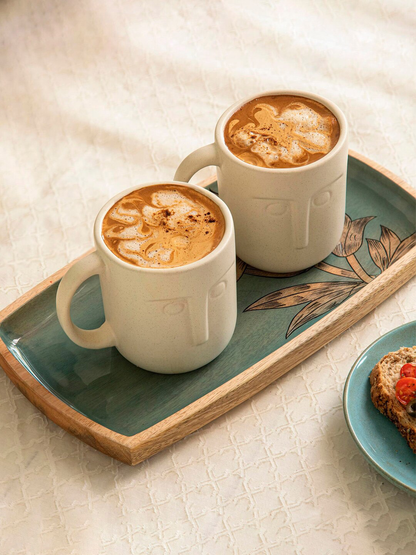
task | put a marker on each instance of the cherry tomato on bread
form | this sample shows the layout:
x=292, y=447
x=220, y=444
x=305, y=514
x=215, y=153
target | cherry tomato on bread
x=408, y=371
x=406, y=390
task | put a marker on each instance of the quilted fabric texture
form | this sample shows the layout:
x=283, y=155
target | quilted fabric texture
x=99, y=96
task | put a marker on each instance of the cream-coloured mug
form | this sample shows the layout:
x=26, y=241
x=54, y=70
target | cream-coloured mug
x=170, y=320
x=286, y=219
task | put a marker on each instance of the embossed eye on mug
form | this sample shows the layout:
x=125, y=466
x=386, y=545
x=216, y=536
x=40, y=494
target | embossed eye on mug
x=165, y=256
x=287, y=198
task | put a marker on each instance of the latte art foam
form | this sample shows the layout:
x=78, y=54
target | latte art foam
x=163, y=226
x=281, y=131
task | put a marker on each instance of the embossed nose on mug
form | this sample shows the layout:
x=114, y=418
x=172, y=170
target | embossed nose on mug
x=281, y=162
x=166, y=261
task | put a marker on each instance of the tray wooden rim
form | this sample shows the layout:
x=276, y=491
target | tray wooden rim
x=135, y=449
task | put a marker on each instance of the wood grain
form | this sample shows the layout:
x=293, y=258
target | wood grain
x=134, y=449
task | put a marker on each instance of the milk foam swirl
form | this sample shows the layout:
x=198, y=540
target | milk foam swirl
x=163, y=226
x=281, y=131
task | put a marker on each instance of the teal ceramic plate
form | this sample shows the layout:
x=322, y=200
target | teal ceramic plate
x=282, y=319
x=378, y=438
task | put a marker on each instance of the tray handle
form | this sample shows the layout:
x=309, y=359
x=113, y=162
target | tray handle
x=90, y=339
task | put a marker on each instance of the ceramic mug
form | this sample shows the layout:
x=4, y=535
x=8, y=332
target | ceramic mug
x=286, y=219
x=168, y=321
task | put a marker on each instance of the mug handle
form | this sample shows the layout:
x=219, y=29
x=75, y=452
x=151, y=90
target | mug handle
x=200, y=158
x=75, y=276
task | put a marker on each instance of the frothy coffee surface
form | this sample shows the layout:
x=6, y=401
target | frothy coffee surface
x=281, y=131
x=163, y=226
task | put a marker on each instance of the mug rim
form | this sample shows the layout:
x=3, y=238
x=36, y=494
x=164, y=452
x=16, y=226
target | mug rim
x=228, y=232
x=342, y=120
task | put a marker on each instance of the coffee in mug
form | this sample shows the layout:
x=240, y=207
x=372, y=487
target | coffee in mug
x=163, y=226
x=281, y=131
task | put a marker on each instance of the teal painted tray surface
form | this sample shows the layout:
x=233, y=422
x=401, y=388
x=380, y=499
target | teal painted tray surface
x=379, y=228
x=376, y=436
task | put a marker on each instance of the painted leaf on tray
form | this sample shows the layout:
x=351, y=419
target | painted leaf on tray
x=322, y=305
x=405, y=246
x=389, y=240
x=320, y=298
x=300, y=294
x=352, y=236
x=378, y=254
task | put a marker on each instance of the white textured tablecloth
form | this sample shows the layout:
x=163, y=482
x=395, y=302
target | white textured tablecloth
x=98, y=96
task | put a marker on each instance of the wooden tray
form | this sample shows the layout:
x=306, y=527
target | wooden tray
x=131, y=414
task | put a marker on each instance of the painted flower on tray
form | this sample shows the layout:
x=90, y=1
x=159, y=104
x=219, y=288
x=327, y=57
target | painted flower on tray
x=319, y=298
x=352, y=236
x=389, y=248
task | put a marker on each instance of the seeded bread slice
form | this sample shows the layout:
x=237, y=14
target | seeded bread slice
x=383, y=379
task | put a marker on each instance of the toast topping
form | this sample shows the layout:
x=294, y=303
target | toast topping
x=406, y=388
x=408, y=371
x=411, y=408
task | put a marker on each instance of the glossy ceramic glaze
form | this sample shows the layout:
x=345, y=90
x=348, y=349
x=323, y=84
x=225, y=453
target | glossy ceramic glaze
x=106, y=388
x=376, y=436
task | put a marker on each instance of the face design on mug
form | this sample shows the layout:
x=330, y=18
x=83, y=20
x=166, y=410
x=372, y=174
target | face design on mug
x=196, y=308
x=299, y=211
